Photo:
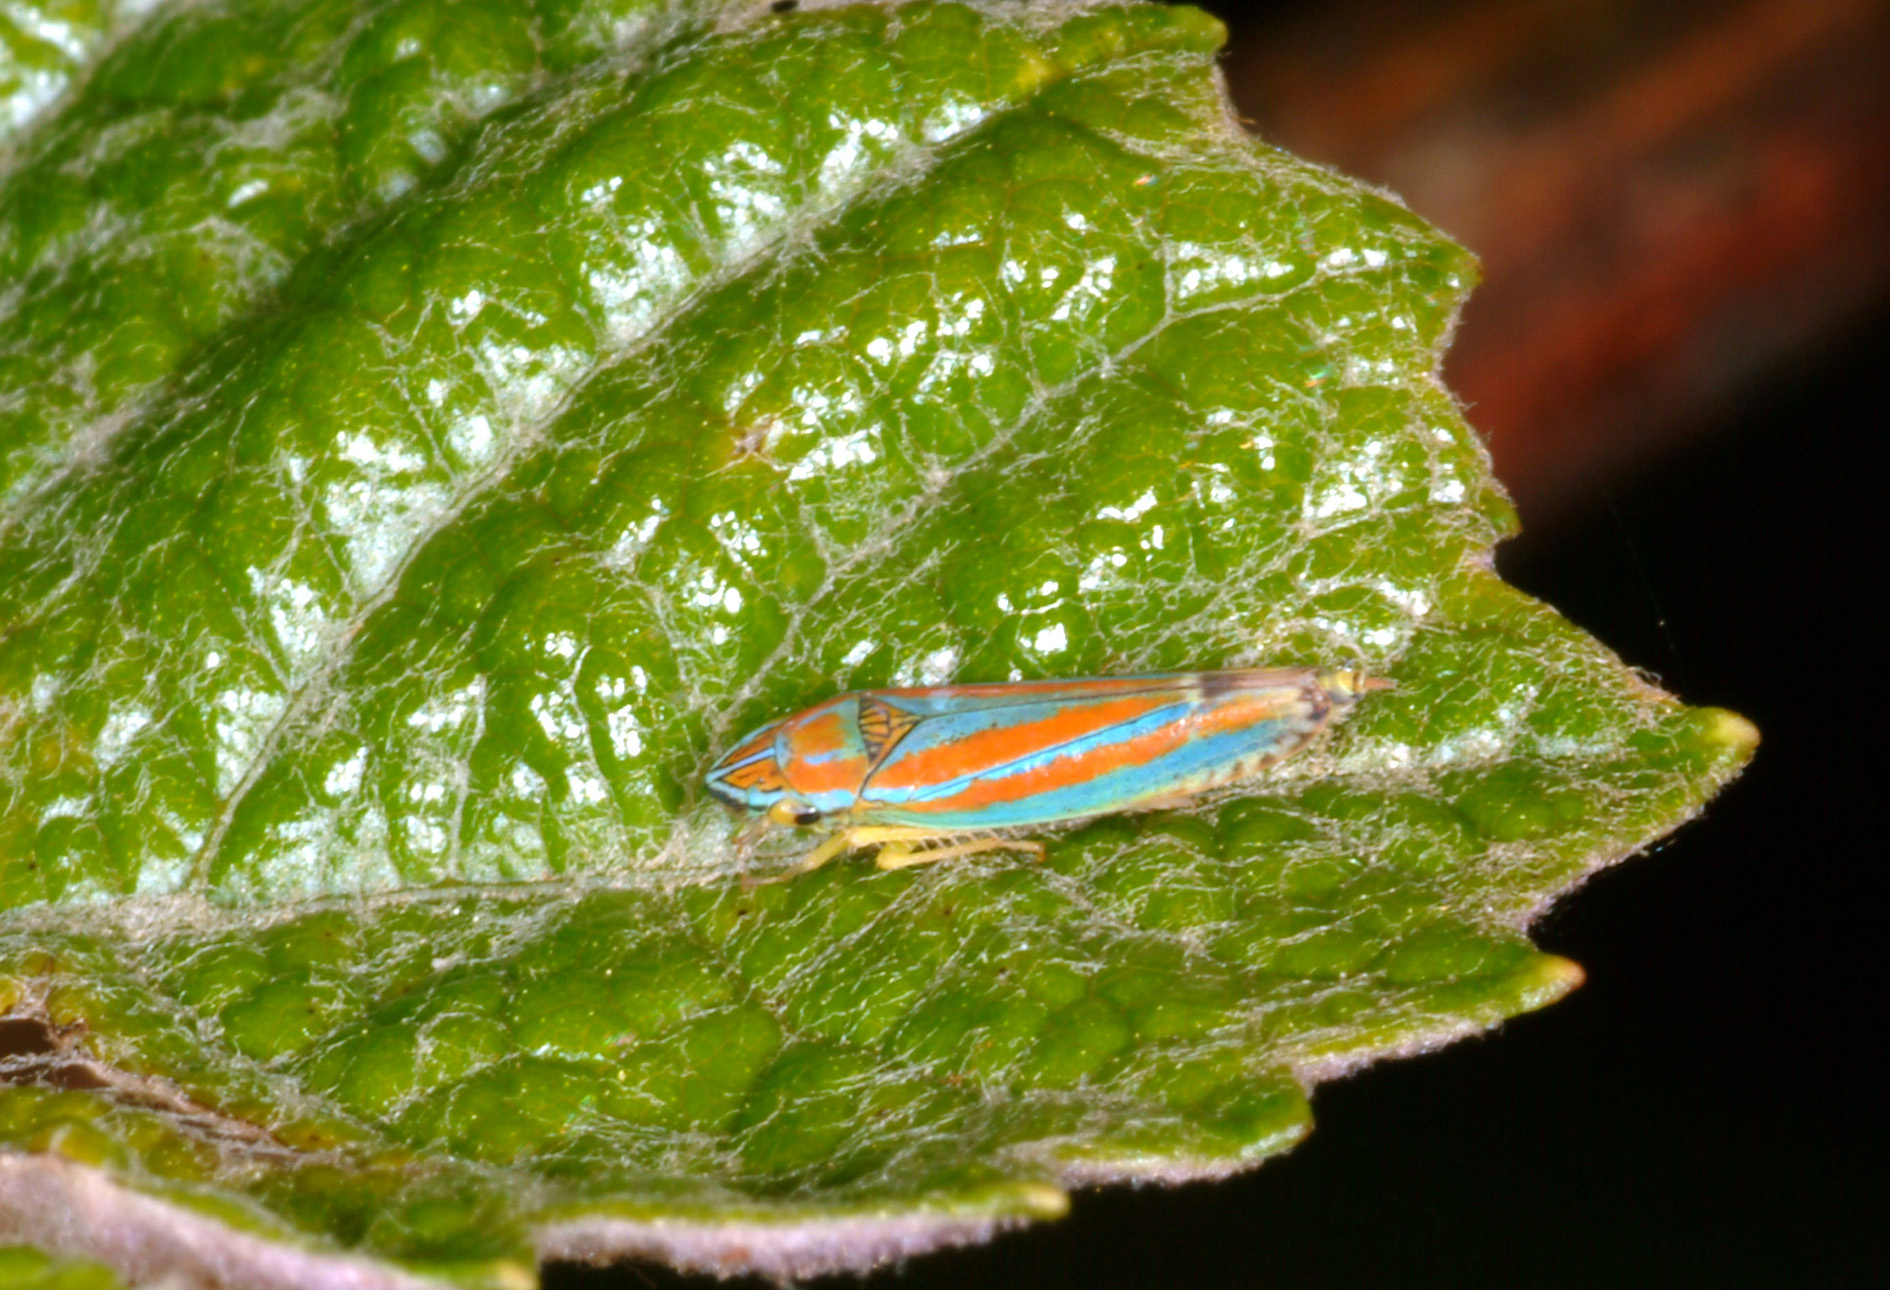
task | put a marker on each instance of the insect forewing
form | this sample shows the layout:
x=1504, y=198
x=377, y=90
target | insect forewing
x=995, y=756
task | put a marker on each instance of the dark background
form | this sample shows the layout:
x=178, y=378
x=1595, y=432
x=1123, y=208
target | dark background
x=1686, y=393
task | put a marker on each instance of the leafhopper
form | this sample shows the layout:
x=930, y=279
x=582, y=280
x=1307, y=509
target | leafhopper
x=931, y=772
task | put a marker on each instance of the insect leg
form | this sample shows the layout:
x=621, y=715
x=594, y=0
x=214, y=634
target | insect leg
x=819, y=856
x=903, y=855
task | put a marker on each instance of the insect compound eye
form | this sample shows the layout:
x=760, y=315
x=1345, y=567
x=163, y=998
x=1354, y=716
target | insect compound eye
x=787, y=811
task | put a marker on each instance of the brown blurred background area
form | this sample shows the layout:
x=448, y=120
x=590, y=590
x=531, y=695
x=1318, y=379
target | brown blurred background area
x=1673, y=200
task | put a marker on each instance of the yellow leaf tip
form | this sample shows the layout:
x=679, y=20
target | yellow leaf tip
x=1043, y=1200
x=1550, y=977
x=1730, y=731
x=514, y=1276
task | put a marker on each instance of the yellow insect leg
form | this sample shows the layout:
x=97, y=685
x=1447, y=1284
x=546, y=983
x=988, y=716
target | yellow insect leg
x=898, y=849
x=819, y=856
x=903, y=855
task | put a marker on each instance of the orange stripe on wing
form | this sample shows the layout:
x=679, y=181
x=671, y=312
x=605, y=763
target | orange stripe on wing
x=984, y=749
x=1238, y=711
x=1098, y=761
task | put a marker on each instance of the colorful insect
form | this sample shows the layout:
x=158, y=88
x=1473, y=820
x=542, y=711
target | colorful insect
x=900, y=769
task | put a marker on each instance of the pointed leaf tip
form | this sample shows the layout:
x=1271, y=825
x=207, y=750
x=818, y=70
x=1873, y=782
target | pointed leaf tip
x=1730, y=731
x=1549, y=978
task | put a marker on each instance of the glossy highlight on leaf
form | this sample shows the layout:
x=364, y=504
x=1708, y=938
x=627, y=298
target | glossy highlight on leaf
x=381, y=568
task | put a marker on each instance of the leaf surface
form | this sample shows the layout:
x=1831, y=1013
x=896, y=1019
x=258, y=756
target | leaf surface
x=360, y=658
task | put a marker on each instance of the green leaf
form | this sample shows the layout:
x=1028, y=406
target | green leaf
x=43, y=45
x=22, y=1268
x=364, y=633
x=214, y=148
